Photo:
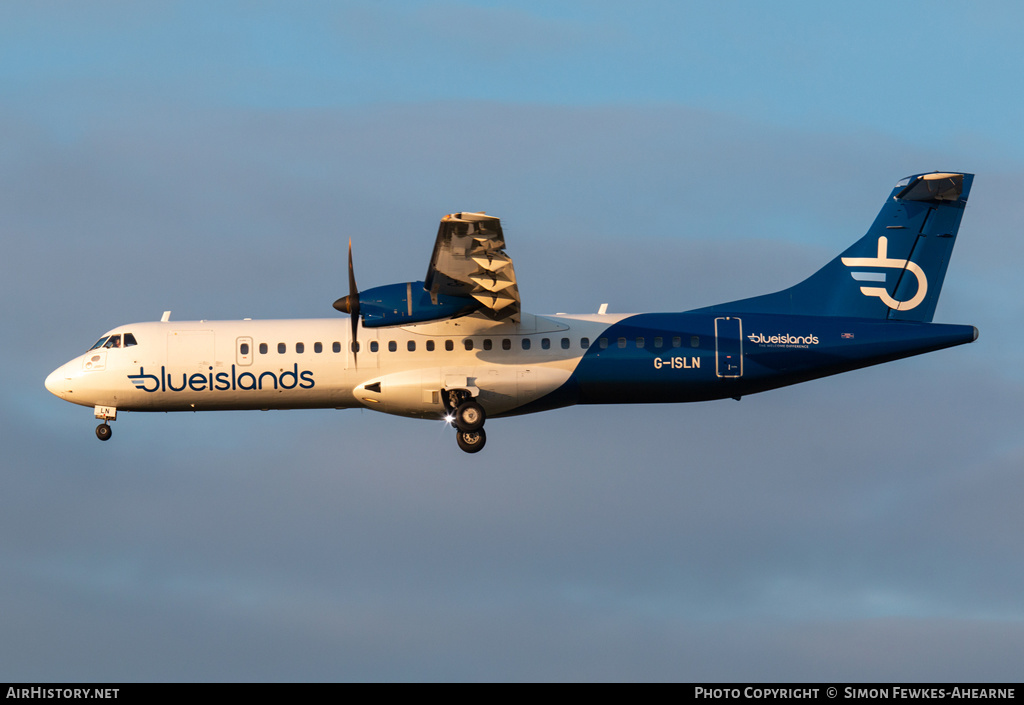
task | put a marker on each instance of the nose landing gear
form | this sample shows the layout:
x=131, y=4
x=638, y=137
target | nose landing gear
x=105, y=413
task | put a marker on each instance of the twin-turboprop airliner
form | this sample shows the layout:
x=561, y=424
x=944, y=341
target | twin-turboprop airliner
x=457, y=347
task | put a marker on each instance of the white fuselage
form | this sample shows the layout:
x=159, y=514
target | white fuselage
x=309, y=363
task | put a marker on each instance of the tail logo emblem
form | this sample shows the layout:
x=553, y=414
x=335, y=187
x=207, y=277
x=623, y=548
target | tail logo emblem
x=882, y=260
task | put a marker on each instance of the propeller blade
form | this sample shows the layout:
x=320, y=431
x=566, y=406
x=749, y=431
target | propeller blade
x=353, y=290
x=351, y=305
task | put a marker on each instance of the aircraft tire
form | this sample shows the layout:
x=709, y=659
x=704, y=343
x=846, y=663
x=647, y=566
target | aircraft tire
x=471, y=441
x=470, y=416
x=103, y=432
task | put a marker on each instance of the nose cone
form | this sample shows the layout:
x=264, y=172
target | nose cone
x=55, y=382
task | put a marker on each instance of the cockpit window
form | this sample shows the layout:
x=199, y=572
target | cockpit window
x=115, y=341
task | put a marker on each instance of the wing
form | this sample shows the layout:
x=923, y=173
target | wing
x=469, y=261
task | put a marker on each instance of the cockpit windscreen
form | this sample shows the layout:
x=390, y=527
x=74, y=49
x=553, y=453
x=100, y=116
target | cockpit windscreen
x=115, y=341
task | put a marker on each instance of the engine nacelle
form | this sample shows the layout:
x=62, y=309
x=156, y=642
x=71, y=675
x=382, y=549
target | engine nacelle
x=402, y=304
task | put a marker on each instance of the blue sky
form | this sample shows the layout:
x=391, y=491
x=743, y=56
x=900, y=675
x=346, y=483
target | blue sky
x=215, y=159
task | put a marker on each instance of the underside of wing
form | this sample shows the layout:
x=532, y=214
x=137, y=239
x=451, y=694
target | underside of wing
x=469, y=261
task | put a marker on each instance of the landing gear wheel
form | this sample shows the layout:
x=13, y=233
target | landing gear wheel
x=103, y=432
x=470, y=416
x=471, y=441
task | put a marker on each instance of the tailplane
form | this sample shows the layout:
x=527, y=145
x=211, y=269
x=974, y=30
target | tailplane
x=895, y=271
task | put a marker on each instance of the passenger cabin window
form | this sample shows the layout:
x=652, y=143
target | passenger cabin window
x=263, y=348
x=243, y=348
x=468, y=343
x=602, y=343
x=300, y=348
x=392, y=346
x=677, y=342
x=449, y=345
x=318, y=347
x=694, y=341
x=355, y=346
x=639, y=342
x=373, y=346
x=430, y=346
x=411, y=346
x=622, y=342
x=487, y=343
x=565, y=343
x=526, y=343
x=545, y=343
x=584, y=343
x=506, y=344
x=336, y=347
x=658, y=341
x=282, y=348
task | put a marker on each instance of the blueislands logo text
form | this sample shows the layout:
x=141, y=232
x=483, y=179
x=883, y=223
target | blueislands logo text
x=784, y=339
x=222, y=381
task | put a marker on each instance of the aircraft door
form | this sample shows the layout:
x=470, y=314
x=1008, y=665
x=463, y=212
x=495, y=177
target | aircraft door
x=243, y=351
x=729, y=347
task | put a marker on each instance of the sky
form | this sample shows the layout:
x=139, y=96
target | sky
x=214, y=159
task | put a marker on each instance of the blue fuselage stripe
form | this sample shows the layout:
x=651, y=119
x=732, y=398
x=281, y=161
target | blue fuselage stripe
x=678, y=357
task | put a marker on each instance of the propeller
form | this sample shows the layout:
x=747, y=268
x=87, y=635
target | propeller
x=350, y=304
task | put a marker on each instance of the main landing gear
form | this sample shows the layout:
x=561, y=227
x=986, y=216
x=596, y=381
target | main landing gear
x=468, y=418
x=103, y=431
x=471, y=441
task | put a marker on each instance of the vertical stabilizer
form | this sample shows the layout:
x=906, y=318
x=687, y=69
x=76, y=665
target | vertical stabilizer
x=895, y=271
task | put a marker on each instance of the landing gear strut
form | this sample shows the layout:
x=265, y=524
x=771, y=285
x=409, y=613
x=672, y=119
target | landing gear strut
x=468, y=418
x=104, y=414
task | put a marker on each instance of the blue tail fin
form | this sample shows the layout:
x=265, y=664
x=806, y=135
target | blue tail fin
x=893, y=272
